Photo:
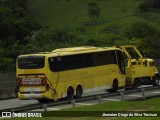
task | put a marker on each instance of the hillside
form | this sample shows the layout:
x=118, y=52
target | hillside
x=73, y=13
x=119, y=23
x=30, y=26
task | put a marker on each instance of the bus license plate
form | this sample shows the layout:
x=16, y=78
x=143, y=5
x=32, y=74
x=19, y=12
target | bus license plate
x=30, y=81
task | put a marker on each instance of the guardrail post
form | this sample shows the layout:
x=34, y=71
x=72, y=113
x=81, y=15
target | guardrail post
x=99, y=99
x=143, y=93
x=44, y=106
x=73, y=103
x=122, y=95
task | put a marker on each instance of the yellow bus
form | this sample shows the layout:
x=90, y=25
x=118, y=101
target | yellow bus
x=69, y=72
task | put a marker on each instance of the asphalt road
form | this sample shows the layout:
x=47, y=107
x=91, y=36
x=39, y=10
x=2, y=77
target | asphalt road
x=11, y=103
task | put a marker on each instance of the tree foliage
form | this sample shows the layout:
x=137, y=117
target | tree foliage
x=16, y=25
x=149, y=35
x=93, y=10
x=150, y=5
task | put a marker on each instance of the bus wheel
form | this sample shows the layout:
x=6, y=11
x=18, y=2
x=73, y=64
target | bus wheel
x=79, y=92
x=136, y=84
x=70, y=93
x=156, y=81
x=114, y=86
x=44, y=101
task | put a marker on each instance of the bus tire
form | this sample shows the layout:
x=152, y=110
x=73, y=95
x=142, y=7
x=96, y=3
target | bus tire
x=114, y=86
x=70, y=93
x=156, y=81
x=79, y=92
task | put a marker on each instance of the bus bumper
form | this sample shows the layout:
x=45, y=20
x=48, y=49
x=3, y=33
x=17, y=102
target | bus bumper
x=26, y=96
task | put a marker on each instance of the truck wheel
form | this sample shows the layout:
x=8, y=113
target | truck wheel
x=136, y=84
x=156, y=81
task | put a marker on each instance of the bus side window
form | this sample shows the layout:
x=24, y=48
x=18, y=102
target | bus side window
x=54, y=64
x=121, y=62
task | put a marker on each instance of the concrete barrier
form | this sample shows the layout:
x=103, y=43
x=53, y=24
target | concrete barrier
x=10, y=76
x=6, y=93
x=8, y=85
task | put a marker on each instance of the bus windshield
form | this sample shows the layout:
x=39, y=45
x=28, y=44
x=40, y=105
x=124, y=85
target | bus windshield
x=31, y=62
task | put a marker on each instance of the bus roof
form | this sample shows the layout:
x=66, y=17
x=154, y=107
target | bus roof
x=72, y=50
x=76, y=49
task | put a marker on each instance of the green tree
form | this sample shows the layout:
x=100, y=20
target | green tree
x=149, y=37
x=156, y=4
x=150, y=5
x=16, y=26
x=93, y=10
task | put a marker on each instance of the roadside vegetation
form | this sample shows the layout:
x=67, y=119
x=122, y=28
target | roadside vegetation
x=31, y=26
x=151, y=105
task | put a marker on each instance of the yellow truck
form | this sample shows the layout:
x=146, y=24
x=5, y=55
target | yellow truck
x=139, y=70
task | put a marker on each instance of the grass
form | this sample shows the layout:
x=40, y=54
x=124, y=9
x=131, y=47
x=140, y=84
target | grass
x=61, y=13
x=116, y=18
x=147, y=105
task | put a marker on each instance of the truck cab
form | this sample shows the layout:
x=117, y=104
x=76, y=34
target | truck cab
x=139, y=70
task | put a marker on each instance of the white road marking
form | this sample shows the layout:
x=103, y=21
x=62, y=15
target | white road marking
x=84, y=104
x=53, y=109
x=121, y=90
x=29, y=103
x=143, y=86
x=157, y=92
x=135, y=95
x=38, y=110
x=111, y=99
x=48, y=109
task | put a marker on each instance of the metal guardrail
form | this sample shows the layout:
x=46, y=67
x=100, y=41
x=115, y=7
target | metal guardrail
x=92, y=97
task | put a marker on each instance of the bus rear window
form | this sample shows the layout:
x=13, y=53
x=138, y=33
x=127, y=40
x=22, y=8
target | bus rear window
x=31, y=62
